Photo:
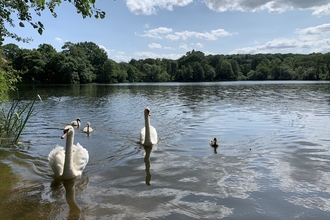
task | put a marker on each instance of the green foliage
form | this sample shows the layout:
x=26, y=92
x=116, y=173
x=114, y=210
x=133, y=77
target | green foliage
x=13, y=122
x=8, y=77
x=7, y=83
x=22, y=10
x=86, y=62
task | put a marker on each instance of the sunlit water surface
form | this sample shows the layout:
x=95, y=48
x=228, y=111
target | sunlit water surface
x=272, y=163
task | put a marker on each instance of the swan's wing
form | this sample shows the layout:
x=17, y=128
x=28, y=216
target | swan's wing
x=75, y=123
x=90, y=129
x=142, y=135
x=80, y=157
x=153, y=135
x=56, y=160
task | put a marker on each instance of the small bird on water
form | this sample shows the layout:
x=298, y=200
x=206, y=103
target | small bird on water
x=214, y=142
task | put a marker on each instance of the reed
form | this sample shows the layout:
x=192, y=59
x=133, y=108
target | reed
x=13, y=122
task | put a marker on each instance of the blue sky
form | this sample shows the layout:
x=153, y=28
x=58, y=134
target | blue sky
x=142, y=29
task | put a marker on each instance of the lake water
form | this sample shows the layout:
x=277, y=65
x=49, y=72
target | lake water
x=272, y=163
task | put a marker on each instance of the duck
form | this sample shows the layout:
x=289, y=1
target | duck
x=148, y=134
x=214, y=142
x=70, y=162
x=76, y=122
x=88, y=128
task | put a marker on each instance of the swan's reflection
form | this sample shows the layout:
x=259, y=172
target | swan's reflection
x=70, y=188
x=147, y=162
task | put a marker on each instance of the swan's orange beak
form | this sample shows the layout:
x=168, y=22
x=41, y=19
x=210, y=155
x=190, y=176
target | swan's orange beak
x=64, y=135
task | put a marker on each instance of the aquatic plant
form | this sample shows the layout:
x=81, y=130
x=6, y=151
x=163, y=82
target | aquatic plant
x=13, y=122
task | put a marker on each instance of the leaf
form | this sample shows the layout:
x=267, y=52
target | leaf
x=40, y=24
x=40, y=31
x=21, y=24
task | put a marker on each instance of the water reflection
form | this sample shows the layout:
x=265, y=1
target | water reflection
x=147, y=151
x=215, y=149
x=70, y=188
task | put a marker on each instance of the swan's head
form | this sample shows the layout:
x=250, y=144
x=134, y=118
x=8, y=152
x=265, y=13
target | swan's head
x=67, y=131
x=88, y=124
x=78, y=119
x=215, y=140
x=147, y=111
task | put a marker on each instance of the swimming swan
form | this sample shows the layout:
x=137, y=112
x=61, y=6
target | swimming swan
x=76, y=122
x=214, y=142
x=68, y=163
x=88, y=128
x=148, y=135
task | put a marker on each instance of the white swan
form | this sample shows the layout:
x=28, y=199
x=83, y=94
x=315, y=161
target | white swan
x=214, y=142
x=76, y=122
x=88, y=128
x=148, y=135
x=68, y=163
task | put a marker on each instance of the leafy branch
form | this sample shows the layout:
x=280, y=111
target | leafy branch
x=22, y=9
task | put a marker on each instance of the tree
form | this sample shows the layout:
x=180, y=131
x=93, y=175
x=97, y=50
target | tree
x=32, y=65
x=54, y=68
x=198, y=74
x=83, y=55
x=46, y=50
x=11, y=51
x=8, y=78
x=22, y=10
x=209, y=72
x=224, y=71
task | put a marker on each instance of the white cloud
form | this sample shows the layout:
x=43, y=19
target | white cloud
x=118, y=56
x=147, y=54
x=322, y=10
x=199, y=45
x=155, y=46
x=283, y=45
x=317, y=30
x=185, y=47
x=59, y=40
x=121, y=57
x=213, y=35
x=168, y=48
x=309, y=40
x=320, y=7
x=157, y=32
x=148, y=7
x=161, y=32
x=108, y=51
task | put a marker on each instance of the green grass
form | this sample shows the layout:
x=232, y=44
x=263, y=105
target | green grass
x=13, y=122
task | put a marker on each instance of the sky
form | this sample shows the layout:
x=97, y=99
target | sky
x=140, y=29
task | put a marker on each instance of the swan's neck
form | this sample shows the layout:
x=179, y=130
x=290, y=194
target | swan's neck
x=87, y=128
x=68, y=163
x=147, y=126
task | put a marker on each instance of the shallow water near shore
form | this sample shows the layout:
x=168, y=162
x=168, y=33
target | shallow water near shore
x=272, y=163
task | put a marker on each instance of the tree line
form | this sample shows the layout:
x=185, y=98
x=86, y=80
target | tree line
x=86, y=62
